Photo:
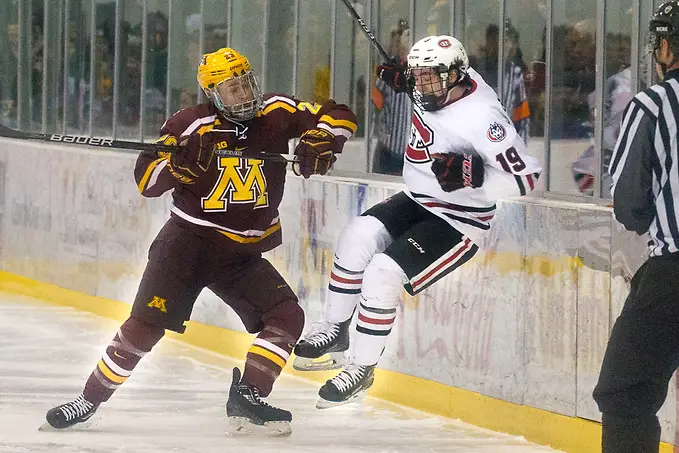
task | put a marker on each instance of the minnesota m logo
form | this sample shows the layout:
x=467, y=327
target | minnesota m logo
x=242, y=180
x=159, y=303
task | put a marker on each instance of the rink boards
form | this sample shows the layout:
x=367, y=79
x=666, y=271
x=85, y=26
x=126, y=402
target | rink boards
x=524, y=323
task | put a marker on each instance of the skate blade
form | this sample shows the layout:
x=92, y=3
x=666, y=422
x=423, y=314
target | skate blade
x=330, y=361
x=47, y=428
x=326, y=404
x=241, y=426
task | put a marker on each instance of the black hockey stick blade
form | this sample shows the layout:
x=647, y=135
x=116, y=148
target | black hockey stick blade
x=100, y=142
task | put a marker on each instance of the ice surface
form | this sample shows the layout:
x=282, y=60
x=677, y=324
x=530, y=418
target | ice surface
x=174, y=401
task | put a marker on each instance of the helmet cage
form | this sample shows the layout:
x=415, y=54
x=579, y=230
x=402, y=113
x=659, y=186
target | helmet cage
x=443, y=56
x=429, y=95
x=433, y=95
x=219, y=94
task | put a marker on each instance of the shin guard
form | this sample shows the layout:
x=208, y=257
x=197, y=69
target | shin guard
x=380, y=297
x=359, y=241
x=271, y=349
x=134, y=339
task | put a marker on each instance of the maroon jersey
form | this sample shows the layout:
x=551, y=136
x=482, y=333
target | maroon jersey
x=236, y=200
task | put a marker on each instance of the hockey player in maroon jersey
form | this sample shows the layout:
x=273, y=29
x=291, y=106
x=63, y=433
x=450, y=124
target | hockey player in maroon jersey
x=224, y=215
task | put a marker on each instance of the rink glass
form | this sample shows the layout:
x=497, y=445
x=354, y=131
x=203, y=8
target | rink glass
x=119, y=69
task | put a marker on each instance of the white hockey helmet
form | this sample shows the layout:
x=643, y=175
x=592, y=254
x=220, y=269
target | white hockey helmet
x=436, y=55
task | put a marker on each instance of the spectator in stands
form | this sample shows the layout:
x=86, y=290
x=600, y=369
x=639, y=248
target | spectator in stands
x=8, y=81
x=512, y=93
x=572, y=80
x=617, y=94
x=534, y=80
x=156, y=70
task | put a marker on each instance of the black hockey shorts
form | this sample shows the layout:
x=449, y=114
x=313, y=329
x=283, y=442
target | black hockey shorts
x=425, y=246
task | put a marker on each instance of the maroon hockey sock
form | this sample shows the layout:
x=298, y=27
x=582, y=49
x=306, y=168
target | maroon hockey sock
x=134, y=339
x=271, y=349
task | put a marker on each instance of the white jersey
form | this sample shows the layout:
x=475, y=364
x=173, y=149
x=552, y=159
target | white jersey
x=475, y=123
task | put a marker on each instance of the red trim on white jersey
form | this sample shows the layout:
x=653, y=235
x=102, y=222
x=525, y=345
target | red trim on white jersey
x=478, y=217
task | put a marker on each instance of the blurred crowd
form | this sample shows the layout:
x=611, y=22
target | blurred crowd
x=519, y=78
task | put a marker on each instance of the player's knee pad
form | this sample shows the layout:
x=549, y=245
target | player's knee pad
x=286, y=316
x=138, y=334
x=383, y=280
x=359, y=241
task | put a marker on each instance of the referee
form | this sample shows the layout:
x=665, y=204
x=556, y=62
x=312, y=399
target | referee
x=643, y=350
x=395, y=111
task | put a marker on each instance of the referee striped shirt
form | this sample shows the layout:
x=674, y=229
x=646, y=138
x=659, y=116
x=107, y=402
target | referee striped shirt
x=394, y=119
x=515, y=99
x=645, y=166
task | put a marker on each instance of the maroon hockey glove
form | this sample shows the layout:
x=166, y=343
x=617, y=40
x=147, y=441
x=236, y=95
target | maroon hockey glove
x=394, y=74
x=192, y=158
x=316, y=151
x=457, y=171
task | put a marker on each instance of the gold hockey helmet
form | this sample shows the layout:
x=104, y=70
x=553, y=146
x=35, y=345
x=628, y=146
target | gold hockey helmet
x=230, y=83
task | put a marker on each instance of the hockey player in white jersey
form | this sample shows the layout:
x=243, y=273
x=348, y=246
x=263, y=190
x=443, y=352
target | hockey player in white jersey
x=463, y=156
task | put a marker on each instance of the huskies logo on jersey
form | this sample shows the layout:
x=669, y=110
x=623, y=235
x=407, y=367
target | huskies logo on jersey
x=421, y=138
x=496, y=132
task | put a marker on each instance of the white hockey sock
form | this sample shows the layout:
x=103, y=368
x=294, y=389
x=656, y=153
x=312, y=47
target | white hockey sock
x=357, y=245
x=381, y=294
x=372, y=327
x=344, y=291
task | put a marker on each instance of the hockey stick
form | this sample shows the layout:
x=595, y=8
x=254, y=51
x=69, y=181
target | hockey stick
x=372, y=38
x=366, y=30
x=101, y=142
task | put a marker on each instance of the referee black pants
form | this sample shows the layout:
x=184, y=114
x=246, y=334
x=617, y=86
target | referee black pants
x=642, y=355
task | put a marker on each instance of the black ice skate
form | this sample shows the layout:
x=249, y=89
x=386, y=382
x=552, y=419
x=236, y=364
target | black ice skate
x=327, y=338
x=72, y=413
x=351, y=383
x=249, y=414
